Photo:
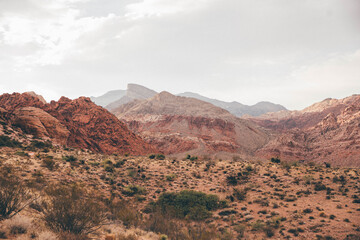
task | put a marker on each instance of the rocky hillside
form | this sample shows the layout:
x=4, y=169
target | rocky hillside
x=75, y=123
x=180, y=124
x=326, y=132
x=237, y=108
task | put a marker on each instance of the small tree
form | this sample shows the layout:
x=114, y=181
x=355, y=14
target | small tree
x=71, y=209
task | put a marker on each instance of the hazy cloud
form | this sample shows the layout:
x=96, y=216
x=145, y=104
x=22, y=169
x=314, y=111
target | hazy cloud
x=288, y=52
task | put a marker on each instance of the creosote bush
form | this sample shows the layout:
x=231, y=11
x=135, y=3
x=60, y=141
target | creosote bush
x=132, y=190
x=70, y=158
x=14, y=196
x=188, y=204
x=6, y=141
x=275, y=160
x=71, y=209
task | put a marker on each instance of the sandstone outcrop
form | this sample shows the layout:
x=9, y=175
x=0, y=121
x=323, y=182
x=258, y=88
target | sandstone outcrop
x=41, y=124
x=75, y=123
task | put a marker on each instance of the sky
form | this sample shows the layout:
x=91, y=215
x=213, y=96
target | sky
x=291, y=52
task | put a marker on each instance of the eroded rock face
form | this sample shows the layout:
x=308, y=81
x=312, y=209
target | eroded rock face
x=94, y=128
x=75, y=123
x=179, y=124
x=39, y=123
x=334, y=138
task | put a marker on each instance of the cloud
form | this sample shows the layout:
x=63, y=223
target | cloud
x=157, y=8
x=245, y=50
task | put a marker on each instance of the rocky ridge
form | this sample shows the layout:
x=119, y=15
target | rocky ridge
x=180, y=124
x=75, y=123
x=324, y=132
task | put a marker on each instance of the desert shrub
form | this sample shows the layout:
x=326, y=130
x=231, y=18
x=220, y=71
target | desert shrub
x=178, y=230
x=163, y=237
x=109, y=168
x=188, y=204
x=132, y=190
x=240, y=194
x=240, y=229
x=160, y=156
x=119, y=163
x=125, y=213
x=3, y=235
x=49, y=163
x=14, y=196
x=21, y=154
x=39, y=145
x=6, y=141
x=327, y=165
x=232, y=180
x=340, y=179
x=71, y=209
x=258, y=225
x=192, y=158
x=275, y=160
x=170, y=177
x=319, y=187
x=70, y=158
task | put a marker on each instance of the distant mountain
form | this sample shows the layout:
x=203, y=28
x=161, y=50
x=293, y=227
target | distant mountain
x=116, y=98
x=133, y=92
x=177, y=124
x=113, y=99
x=108, y=97
x=237, y=108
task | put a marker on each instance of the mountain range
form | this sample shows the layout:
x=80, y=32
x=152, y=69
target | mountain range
x=116, y=98
x=149, y=122
x=177, y=124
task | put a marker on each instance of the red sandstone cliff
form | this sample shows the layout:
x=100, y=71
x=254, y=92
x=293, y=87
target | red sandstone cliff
x=76, y=123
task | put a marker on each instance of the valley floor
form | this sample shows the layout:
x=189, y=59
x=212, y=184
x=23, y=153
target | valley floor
x=257, y=200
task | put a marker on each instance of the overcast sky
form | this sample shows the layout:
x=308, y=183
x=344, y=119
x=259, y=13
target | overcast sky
x=292, y=52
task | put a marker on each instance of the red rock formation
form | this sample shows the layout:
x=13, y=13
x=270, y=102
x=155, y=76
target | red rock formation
x=39, y=123
x=179, y=124
x=327, y=134
x=94, y=128
x=16, y=100
x=77, y=123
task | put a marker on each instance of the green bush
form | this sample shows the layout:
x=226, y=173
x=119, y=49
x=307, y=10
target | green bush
x=132, y=190
x=170, y=177
x=240, y=194
x=160, y=157
x=22, y=154
x=6, y=141
x=40, y=145
x=188, y=204
x=70, y=158
x=275, y=160
x=319, y=187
